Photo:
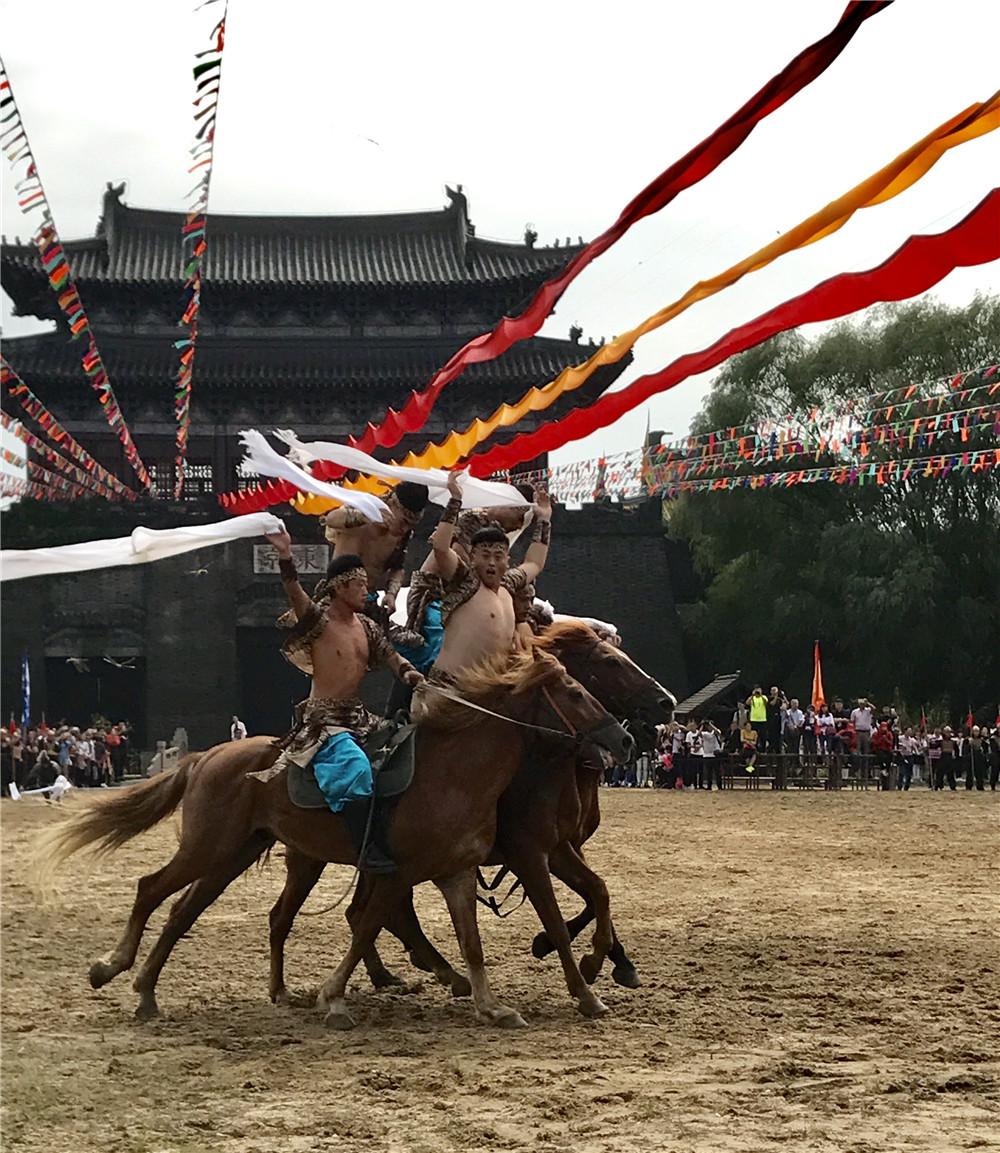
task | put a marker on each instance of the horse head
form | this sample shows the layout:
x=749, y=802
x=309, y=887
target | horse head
x=612, y=676
x=576, y=711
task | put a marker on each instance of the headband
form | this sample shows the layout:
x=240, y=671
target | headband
x=345, y=577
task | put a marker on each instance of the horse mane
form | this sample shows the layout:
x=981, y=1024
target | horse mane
x=559, y=631
x=511, y=673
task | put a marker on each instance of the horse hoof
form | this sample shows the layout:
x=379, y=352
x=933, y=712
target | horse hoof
x=147, y=1010
x=541, y=946
x=341, y=1020
x=626, y=976
x=589, y=969
x=592, y=1008
x=281, y=997
x=101, y=972
x=460, y=986
x=387, y=980
x=504, y=1018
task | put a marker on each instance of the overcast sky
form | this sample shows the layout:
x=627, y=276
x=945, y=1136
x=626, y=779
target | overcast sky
x=549, y=113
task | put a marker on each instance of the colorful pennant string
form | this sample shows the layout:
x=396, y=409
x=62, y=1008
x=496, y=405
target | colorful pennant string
x=29, y=489
x=889, y=181
x=31, y=197
x=54, y=431
x=700, y=162
x=63, y=488
x=880, y=474
x=208, y=80
x=9, y=457
x=77, y=475
x=13, y=486
x=917, y=265
x=874, y=409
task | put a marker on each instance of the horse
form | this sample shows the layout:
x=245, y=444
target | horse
x=550, y=810
x=442, y=827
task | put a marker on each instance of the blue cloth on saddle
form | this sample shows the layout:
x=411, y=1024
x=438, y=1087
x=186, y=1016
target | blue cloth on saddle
x=425, y=655
x=343, y=771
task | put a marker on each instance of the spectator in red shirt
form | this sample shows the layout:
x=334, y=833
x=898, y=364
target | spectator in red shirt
x=883, y=743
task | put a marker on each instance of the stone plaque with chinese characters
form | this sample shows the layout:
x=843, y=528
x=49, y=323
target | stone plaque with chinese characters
x=310, y=559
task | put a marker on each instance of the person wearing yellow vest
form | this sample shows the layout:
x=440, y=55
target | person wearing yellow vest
x=757, y=704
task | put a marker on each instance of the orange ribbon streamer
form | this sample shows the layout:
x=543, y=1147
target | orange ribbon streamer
x=890, y=181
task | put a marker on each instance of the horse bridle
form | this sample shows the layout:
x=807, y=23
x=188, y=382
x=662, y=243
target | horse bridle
x=572, y=733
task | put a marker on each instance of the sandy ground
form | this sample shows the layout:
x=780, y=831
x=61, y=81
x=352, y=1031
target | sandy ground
x=820, y=973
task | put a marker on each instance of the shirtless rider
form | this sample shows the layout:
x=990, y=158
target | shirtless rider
x=382, y=547
x=336, y=644
x=478, y=606
x=424, y=620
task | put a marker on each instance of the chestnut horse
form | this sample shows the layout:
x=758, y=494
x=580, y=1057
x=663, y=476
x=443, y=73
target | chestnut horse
x=442, y=827
x=544, y=819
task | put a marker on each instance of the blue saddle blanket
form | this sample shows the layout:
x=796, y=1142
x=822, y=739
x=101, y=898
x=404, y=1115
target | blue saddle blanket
x=342, y=771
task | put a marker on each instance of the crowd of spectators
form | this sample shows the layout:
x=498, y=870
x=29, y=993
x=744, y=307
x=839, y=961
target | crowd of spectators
x=770, y=730
x=88, y=757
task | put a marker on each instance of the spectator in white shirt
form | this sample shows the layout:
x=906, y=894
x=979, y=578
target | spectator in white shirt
x=711, y=765
x=912, y=750
x=861, y=719
x=793, y=720
x=826, y=727
x=237, y=730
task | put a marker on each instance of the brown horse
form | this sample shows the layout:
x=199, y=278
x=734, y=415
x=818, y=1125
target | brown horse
x=443, y=826
x=543, y=820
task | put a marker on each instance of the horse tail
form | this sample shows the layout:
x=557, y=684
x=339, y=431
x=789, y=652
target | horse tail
x=108, y=822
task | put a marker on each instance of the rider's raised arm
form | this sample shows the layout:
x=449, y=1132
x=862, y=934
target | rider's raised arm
x=538, y=550
x=441, y=538
x=298, y=598
x=341, y=518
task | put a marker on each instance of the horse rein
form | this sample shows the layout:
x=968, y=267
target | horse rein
x=573, y=734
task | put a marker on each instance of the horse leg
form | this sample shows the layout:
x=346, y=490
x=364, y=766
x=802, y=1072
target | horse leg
x=460, y=894
x=378, y=974
x=301, y=875
x=566, y=864
x=542, y=945
x=386, y=892
x=151, y=891
x=533, y=871
x=403, y=923
x=624, y=972
x=183, y=915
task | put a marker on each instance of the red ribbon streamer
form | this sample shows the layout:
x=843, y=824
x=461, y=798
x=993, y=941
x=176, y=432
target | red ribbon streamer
x=702, y=160
x=917, y=265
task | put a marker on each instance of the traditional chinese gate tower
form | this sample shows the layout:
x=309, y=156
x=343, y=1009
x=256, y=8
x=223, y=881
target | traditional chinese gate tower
x=315, y=323
x=318, y=323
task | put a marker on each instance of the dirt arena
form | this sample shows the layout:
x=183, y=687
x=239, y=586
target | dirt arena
x=821, y=973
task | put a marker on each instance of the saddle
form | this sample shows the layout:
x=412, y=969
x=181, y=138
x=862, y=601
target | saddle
x=391, y=750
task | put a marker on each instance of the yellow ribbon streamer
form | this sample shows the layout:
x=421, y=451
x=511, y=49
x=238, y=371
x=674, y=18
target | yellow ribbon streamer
x=907, y=168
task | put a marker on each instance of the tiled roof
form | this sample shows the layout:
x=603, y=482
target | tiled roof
x=143, y=246
x=318, y=362
x=714, y=691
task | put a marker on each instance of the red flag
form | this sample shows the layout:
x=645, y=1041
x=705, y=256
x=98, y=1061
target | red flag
x=970, y=720
x=818, y=695
x=923, y=720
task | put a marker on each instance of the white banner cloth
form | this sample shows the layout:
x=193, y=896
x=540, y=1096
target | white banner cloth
x=264, y=461
x=142, y=547
x=476, y=493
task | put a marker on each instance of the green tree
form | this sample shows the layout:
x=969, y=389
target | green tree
x=901, y=583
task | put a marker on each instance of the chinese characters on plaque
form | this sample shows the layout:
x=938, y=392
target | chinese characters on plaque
x=310, y=559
